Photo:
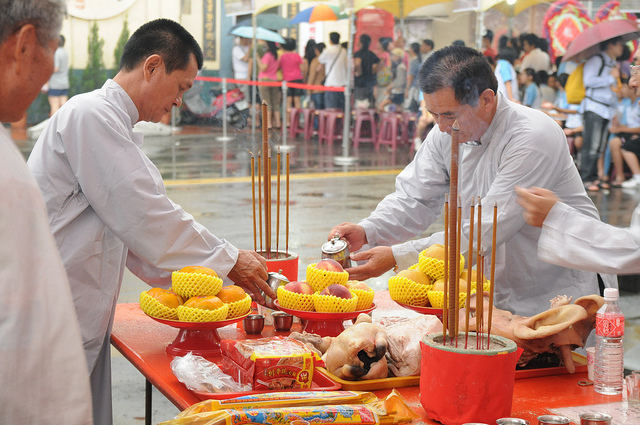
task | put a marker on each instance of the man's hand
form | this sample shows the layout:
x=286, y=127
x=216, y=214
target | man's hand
x=379, y=260
x=536, y=204
x=250, y=273
x=352, y=233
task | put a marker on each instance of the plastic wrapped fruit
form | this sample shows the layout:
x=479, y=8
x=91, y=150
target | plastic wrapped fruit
x=296, y=296
x=431, y=262
x=436, y=294
x=161, y=303
x=239, y=302
x=410, y=287
x=203, y=309
x=335, y=299
x=365, y=293
x=324, y=273
x=195, y=281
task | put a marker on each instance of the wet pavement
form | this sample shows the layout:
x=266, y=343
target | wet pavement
x=211, y=179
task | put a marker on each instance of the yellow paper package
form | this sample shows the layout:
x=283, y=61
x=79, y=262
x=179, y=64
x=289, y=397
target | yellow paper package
x=392, y=410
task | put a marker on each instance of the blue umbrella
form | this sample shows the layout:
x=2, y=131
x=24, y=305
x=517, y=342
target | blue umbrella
x=261, y=34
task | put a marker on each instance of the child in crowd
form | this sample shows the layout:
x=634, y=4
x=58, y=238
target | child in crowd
x=395, y=90
x=625, y=143
x=573, y=124
x=532, y=97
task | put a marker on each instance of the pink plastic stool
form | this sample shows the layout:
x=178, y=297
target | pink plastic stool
x=330, y=123
x=388, y=134
x=307, y=122
x=364, y=116
x=409, y=122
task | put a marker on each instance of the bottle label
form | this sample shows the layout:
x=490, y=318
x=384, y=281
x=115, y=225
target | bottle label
x=610, y=325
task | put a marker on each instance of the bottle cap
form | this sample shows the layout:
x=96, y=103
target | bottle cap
x=610, y=294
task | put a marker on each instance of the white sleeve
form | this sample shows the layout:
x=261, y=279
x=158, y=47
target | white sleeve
x=571, y=239
x=126, y=190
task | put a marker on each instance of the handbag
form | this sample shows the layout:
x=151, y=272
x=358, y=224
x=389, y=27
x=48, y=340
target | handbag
x=384, y=75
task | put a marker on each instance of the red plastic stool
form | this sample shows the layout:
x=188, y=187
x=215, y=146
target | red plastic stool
x=307, y=122
x=330, y=123
x=409, y=122
x=364, y=116
x=388, y=134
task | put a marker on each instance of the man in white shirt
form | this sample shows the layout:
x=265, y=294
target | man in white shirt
x=334, y=59
x=42, y=365
x=242, y=62
x=534, y=57
x=106, y=200
x=503, y=144
x=571, y=239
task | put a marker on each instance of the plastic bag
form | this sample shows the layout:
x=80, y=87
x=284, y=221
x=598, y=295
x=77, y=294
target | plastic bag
x=199, y=374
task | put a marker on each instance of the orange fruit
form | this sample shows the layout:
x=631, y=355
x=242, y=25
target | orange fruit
x=199, y=270
x=230, y=294
x=210, y=302
x=166, y=297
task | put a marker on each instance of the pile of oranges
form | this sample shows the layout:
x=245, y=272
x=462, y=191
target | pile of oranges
x=196, y=295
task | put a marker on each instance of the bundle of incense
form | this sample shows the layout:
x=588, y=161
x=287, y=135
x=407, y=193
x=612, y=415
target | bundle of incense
x=467, y=304
x=452, y=301
x=446, y=269
x=260, y=195
x=267, y=178
x=253, y=200
x=457, y=280
x=480, y=278
x=493, y=271
x=278, y=202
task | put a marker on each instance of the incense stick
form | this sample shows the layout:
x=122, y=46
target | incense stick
x=467, y=303
x=278, y=204
x=493, y=271
x=267, y=180
x=287, y=205
x=446, y=269
x=480, y=276
x=457, y=292
x=253, y=200
x=260, y=196
x=453, y=217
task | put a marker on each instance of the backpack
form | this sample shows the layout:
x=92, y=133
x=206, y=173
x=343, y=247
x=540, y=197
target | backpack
x=574, y=88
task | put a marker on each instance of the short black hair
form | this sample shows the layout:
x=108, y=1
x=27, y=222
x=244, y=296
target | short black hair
x=531, y=39
x=334, y=37
x=488, y=35
x=365, y=41
x=290, y=44
x=463, y=69
x=562, y=79
x=166, y=38
x=428, y=42
x=61, y=41
x=605, y=44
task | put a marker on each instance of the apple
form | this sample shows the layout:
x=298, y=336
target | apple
x=336, y=290
x=416, y=276
x=356, y=284
x=329, y=265
x=435, y=251
x=299, y=287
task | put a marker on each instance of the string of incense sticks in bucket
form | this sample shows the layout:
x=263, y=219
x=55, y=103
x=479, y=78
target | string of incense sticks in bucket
x=264, y=183
x=452, y=245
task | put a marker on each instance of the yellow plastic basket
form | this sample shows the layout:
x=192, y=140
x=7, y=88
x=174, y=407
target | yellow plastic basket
x=238, y=308
x=320, y=279
x=333, y=304
x=189, y=285
x=408, y=292
x=436, y=298
x=365, y=298
x=190, y=314
x=294, y=301
x=155, y=308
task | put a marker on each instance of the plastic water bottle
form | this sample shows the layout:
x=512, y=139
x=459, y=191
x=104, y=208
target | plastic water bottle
x=609, y=362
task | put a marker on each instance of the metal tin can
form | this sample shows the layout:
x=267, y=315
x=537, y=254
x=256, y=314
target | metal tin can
x=512, y=421
x=336, y=249
x=595, y=419
x=553, y=420
x=274, y=281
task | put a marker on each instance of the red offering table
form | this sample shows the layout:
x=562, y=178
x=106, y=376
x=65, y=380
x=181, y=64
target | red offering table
x=143, y=341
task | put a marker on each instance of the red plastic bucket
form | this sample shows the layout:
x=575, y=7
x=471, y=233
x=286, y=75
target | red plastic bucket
x=458, y=385
x=285, y=263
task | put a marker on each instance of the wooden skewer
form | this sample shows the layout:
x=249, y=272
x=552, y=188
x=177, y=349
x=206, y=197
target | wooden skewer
x=457, y=293
x=480, y=278
x=467, y=304
x=287, y=206
x=253, y=200
x=267, y=178
x=482, y=301
x=278, y=204
x=453, y=217
x=493, y=271
x=260, y=198
x=446, y=269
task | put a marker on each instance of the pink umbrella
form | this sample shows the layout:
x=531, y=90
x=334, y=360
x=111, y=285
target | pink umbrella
x=586, y=44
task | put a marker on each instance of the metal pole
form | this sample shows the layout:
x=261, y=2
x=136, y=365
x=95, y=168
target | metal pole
x=254, y=74
x=345, y=159
x=224, y=107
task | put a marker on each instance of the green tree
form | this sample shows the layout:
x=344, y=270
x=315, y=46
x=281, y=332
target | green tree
x=117, y=53
x=94, y=74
